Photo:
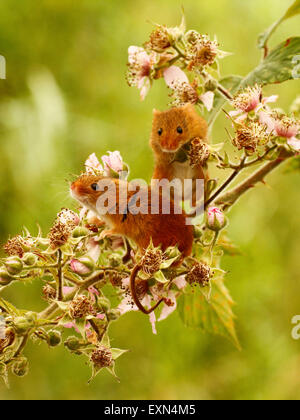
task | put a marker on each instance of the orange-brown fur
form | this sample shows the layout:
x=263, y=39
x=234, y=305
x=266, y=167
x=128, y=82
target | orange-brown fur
x=170, y=141
x=165, y=230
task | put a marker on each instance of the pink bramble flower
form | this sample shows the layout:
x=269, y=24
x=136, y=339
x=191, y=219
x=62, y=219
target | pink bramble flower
x=182, y=91
x=113, y=162
x=285, y=127
x=140, y=68
x=81, y=267
x=289, y=129
x=250, y=100
x=93, y=166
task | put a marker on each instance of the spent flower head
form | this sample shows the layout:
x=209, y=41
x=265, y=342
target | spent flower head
x=80, y=307
x=152, y=260
x=250, y=136
x=160, y=39
x=64, y=225
x=200, y=274
x=16, y=246
x=102, y=357
x=199, y=152
x=201, y=51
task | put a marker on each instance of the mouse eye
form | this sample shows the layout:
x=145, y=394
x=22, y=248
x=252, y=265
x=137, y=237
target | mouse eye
x=160, y=131
x=179, y=130
x=95, y=187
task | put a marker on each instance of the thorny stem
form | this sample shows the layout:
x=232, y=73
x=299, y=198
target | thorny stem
x=229, y=198
x=226, y=183
x=59, y=295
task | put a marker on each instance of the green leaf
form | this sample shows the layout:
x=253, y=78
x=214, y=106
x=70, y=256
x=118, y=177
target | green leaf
x=168, y=263
x=231, y=83
x=214, y=315
x=293, y=165
x=116, y=353
x=291, y=12
x=159, y=276
x=278, y=66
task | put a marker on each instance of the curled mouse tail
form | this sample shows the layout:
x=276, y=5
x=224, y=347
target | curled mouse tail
x=134, y=295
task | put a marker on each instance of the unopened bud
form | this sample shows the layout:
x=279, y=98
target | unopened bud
x=5, y=278
x=215, y=219
x=30, y=259
x=211, y=85
x=21, y=367
x=54, y=338
x=14, y=265
x=83, y=266
x=113, y=314
x=80, y=232
x=72, y=343
x=23, y=323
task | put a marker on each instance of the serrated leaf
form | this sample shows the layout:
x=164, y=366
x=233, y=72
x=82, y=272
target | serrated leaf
x=231, y=83
x=277, y=67
x=291, y=12
x=214, y=316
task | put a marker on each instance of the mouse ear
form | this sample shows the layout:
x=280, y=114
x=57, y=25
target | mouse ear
x=156, y=112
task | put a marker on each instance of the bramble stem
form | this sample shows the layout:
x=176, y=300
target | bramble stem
x=59, y=295
x=229, y=198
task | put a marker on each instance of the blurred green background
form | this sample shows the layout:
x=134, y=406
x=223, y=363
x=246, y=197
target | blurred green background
x=65, y=97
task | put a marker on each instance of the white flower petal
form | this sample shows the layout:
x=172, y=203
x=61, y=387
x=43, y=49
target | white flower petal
x=173, y=74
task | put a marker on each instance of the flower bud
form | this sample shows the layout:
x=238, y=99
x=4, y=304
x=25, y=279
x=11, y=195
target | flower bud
x=30, y=259
x=5, y=278
x=23, y=323
x=72, y=343
x=113, y=314
x=103, y=304
x=21, y=367
x=83, y=266
x=54, y=338
x=14, y=265
x=80, y=232
x=211, y=85
x=215, y=219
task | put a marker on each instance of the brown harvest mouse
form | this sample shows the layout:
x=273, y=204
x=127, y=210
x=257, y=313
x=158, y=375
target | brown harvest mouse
x=171, y=131
x=164, y=230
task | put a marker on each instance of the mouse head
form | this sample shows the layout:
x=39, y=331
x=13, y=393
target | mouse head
x=87, y=189
x=175, y=127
